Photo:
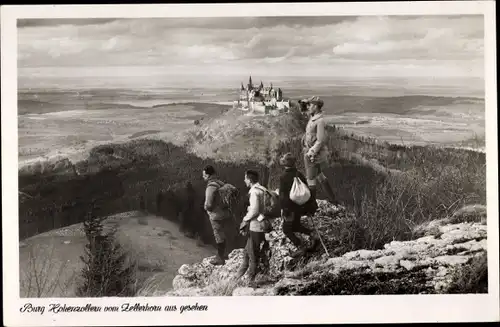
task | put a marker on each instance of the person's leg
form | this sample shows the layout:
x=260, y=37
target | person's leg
x=220, y=239
x=288, y=229
x=325, y=184
x=315, y=172
x=254, y=254
x=245, y=264
x=265, y=252
x=311, y=174
x=298, y=227
x=228, y=237
x=314, y=237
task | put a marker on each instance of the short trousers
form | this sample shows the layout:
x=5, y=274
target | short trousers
x=313, y=169
x=220, y=228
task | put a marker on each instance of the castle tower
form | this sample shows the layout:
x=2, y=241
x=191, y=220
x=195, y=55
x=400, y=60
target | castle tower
x=250, y=84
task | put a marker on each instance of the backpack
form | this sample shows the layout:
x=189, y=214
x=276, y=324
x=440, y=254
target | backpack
x=271, y=204
x=228, y=194
x=299, y=192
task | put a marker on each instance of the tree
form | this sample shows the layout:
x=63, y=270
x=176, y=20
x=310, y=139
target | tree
x=107, y=270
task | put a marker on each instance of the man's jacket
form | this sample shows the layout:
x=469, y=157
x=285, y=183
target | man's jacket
x=255, y=209
x=213, y=204
x=314, y=140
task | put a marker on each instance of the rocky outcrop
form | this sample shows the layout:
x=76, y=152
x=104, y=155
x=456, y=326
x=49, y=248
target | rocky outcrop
x=422, y=265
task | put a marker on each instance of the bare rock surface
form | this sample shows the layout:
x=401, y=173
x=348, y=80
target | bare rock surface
x=422, y=265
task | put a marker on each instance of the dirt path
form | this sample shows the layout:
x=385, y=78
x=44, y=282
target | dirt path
x=50, y=262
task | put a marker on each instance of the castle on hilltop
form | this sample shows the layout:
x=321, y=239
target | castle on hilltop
x=261, y=99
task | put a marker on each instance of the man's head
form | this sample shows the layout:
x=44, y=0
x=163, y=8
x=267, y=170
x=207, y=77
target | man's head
x=251, y=177
x=208, y=171
x=288, y=160
x=314, y=104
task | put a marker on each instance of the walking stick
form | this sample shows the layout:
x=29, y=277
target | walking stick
x=319, y=235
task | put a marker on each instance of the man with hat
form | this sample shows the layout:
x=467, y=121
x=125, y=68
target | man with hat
x=315, y=149
x=292, y=212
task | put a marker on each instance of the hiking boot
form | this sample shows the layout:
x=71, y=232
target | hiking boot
x=253, y=284
x=315, y=242
x=240, y=274
x=221, y=251
x=300, y=251
x=217, y=261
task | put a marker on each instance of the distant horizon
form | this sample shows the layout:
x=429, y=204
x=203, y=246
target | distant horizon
x=144, y=78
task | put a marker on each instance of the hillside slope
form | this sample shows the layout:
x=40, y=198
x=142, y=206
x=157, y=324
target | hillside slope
x=237, y=137
x=50, y=262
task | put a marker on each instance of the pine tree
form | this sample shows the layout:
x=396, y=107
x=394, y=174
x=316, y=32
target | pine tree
x=107, y=270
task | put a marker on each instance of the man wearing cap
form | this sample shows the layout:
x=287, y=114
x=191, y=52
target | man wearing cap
x=291, y=211
x=315, y=149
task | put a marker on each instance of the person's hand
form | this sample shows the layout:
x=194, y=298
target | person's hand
x=243, y=224
x=311, y=156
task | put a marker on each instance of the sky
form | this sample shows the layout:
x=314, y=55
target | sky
x=362, y=46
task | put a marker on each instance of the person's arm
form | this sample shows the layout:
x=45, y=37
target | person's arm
x=302, y=177
x=209, y=198
x=320, y=137
x=253, y=208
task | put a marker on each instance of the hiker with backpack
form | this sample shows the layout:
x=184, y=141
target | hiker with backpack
x=296, y=200
x=255, y=225
x=219, y=212
x=315, y=149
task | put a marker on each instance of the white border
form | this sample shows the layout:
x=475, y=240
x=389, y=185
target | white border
x=248, y=310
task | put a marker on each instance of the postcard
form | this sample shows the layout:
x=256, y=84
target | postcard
x=267, y=163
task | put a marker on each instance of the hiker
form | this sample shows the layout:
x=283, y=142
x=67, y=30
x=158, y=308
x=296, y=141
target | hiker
x=255, y=226
x=291, y=211
x=315, y=149
x=220, y=217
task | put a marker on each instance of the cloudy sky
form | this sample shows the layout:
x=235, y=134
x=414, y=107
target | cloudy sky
x=370, y=46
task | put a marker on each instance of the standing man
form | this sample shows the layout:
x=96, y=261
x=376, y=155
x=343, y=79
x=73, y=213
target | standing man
x=220, y=217
x=315, y=149
x=256, y=240
x=291, y=211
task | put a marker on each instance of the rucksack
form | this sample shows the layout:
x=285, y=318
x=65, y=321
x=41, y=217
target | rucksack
x=299, y=193
x=228, y=194
x=271, y=203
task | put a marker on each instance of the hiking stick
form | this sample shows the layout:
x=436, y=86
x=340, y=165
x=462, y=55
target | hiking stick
x=319, y=235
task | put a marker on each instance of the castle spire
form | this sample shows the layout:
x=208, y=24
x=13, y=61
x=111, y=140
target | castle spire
x=250, y=81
